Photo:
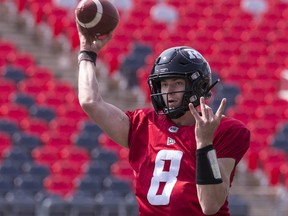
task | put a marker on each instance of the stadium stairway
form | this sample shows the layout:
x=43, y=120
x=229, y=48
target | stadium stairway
x=251, y=187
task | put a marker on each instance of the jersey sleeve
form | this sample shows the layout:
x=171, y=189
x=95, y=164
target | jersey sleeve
x=232, y=140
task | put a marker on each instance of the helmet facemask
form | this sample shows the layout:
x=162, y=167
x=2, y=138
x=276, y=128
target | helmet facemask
x=192, y=94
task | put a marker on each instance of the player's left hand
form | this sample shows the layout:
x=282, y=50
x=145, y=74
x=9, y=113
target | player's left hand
x=206, y=122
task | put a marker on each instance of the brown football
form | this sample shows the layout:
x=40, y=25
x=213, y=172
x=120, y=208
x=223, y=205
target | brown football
x=97, y=17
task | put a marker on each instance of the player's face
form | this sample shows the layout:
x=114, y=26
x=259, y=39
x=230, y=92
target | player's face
x=173, y=90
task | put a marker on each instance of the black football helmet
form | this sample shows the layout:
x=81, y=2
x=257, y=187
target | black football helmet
x=180, y=62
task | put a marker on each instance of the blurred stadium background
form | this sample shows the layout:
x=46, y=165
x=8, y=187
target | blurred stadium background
x=55, y=161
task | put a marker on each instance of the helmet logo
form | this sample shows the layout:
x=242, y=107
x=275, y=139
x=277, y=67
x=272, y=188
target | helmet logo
x=193, y=54
x=195, y=75
x=193, y=98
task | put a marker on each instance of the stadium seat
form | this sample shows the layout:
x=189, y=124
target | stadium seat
x=45, y=155
x=22, y=99
x=6, y=185
x=90, y=127
x=14, y=111
x=36, y=170
x=122, y=169
x=82, y=204
x=89, y=185
x=54, y=205
x=67, y=169
x=14, y=74
x=33, y=125
x=21, y=203
x=7, y=86
x=61, y=88
x=59, y=185
x=50, y=99
x=17, y=156
x=75, y=154
x=30, y=87
x=5, y=143
x=42, y=112
x=104, y=156
x=39, y=73
x=117, y=185
x=107, y=143
x=28, y=183
x=35, y=10
x=268, y=159
x=55, y=139
x=26, y=140
x=54, y=17
x=9, y=170
x=228, y=91
x=69, y=111
x=8, y=126
x=4, y=100
x=21, y=60
x=280, y=140
x=86, y=140
x=64, y=126
x=97, y=170
x=109, y=203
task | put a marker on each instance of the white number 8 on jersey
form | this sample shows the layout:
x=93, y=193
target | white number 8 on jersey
x=168, y=177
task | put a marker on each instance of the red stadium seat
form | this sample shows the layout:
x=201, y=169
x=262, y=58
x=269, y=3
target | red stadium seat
x=49, y=99
x=5, y=144
x=64, y=126
x=122, y=169
x=61, y=88
x=59, y=185
x=7, y=87
x=58, y=22
x=55, y=139
x=30, y=87
x=67, y=169
x=107, y=143
x=71, y=111
x=34, y=126
x=21, y=60
x=14, y=111
x=45, y=155
x=39, y=74
x=6, y=48
x=75, y=154
x=37, y=8
x=4, y=99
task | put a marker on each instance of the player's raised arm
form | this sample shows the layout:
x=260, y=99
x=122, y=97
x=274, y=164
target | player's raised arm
x=111, y=119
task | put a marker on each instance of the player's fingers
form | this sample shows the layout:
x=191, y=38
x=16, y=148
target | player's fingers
x=194, y=112
x=221, y=108
x=210, y=113
x=203, y=108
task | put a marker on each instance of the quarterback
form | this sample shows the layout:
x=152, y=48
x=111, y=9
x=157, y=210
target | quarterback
x=183, y=154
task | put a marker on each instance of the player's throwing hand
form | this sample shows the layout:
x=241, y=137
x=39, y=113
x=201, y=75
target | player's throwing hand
x=92, y=43
x=206, y=122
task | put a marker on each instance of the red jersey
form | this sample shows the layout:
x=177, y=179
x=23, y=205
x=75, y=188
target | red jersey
x=163, y=157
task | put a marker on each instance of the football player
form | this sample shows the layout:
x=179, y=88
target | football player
x=183, y=154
